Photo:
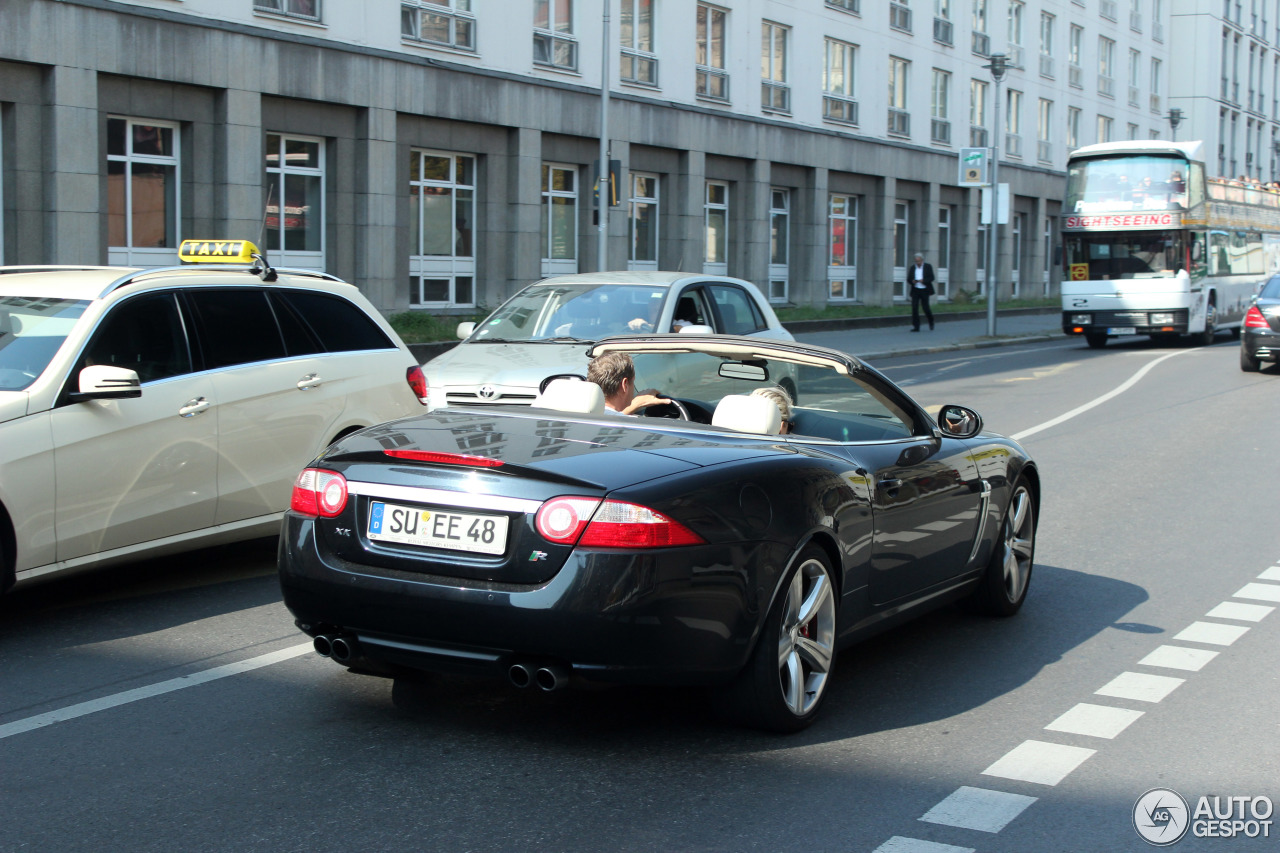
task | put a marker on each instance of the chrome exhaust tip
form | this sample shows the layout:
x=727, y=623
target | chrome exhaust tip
x=520, y=675
x=323, y=644
x=551, y=677
x=342, y=648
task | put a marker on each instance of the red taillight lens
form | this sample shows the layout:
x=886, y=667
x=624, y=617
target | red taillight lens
x=319, y=493
x=562, y=520
x=1253, y=319
x=611, y=524
x=418, y=382
x=445, y=458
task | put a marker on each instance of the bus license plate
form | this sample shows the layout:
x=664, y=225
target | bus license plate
x=1122, y=330
x=437, y=528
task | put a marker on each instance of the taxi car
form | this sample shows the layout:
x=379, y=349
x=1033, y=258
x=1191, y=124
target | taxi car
x=147, y=411
x=545, y=329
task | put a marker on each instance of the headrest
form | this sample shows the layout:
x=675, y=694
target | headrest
x=745, y=413
x=572, y=395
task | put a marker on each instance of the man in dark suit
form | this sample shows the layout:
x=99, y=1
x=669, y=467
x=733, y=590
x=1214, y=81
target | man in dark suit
x=920, y=285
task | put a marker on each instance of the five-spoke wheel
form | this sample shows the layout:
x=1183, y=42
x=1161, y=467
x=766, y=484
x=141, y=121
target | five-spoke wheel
x=1004, y=585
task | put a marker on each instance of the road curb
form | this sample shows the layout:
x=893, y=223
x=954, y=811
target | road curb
x=963, y=345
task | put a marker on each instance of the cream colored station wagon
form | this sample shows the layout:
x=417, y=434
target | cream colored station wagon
x=148, y=411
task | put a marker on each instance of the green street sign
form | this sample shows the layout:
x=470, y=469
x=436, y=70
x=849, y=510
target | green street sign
x=973, y=167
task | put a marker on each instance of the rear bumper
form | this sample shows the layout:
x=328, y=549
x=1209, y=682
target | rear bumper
x=678, y=616
x=1262, y=344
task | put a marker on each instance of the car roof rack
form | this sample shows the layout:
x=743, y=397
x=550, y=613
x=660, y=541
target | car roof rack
x=255, y=270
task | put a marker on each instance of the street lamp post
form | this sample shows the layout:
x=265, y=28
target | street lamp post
x=998, y=65
x=1175, y=119
x=603, y=196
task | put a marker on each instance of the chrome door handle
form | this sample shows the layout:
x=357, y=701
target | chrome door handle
x=311, y=380
x=194, y=407
x=890, y=485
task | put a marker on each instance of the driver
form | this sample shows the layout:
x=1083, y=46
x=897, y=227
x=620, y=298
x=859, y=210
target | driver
x=615, y=373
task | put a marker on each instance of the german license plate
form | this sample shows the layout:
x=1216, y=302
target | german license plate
x=1122, y=330
x=427, y=527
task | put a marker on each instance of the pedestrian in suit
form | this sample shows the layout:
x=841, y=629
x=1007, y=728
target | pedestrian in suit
x=920, y=283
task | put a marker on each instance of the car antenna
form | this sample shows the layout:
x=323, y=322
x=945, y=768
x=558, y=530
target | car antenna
x=265, y=272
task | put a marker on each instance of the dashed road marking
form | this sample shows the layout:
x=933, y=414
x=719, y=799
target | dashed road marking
x=1094, y=720
x=1259, y=592
x=1140, y=686
x=1271, y=574
x=1212, y=633
x=899, y=844
x=1242, y=612
x=1039, y=762
x=1179, y=657
x=978, y=808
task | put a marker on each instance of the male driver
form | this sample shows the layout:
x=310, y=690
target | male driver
x=920, y=279
x=615, y=373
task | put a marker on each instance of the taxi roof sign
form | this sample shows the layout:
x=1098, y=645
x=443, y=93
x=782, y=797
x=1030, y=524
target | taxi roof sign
x=218, y=252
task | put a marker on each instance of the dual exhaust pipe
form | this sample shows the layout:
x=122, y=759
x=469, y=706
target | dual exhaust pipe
x=337, y=647
x=548, y=677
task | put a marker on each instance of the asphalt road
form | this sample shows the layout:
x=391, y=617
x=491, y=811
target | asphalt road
x=169, y=705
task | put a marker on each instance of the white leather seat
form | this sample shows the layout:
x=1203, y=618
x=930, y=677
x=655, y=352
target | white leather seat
x=572, y=395
x=745, y=413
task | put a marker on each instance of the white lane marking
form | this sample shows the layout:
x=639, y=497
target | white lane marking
x=1039, y=762
x=1094, y=720
x=1259, y=591
x=1140, y=686
x=117, y=699
x=1098, y=401
x=1213, y=633
x=1179, y=657
x=978, y=808
x=1243, y=612
x=899, y=844
x=1271, y=574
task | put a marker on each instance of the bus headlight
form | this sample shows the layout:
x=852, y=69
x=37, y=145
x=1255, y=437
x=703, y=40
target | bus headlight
x=1081, y=319
x=1165, y=319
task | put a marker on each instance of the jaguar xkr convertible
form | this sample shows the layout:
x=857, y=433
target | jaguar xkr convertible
x=722, y=540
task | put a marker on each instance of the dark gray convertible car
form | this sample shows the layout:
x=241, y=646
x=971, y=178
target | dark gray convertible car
x=713, y=543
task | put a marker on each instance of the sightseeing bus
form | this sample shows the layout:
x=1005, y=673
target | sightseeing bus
x=1153, y=247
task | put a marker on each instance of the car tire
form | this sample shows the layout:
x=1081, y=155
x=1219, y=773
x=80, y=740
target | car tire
x=1097, y=340
x=789, y=673
x=1249, y=362
x=1004, y=583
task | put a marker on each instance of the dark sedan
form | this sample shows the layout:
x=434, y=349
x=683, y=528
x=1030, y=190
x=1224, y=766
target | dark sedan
x=1260, y=331
x=711, y=543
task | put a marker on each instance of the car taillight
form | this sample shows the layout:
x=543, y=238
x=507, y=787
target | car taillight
x=1253, y=319
x=445, y=458
x=611, y=524
x=319, y=493
x=418, y=382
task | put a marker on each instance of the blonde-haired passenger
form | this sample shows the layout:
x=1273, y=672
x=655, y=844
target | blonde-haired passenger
x=780, y=398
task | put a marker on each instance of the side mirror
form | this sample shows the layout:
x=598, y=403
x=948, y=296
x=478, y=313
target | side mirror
x=465, y=330
x=959, y=421
x=107, y=382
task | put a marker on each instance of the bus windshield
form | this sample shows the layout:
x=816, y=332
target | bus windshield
x=1135, y=254
x=1131, y=182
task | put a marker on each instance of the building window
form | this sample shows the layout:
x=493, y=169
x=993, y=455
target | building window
x=712, y=78
x=295, y=200
x=1046, y=45
x=715, y=211
x=1156, y=71
x=639, y=62
x=1075, y=74
x=559, y=219
x=1135, y=75
x=308, y=10
x=981, y=43
x=838, y=76
x=1157, y=20
x=978, y=113
x=1048, y=254
x=554, y=44
x=1073, y=128
x=1044, y=132
x=775, y=94
x=1104, y=129
x=939, y=108
x=1016, y=15
x=442, y=215
x=779, y=239
x=142, y=192
x=942, y=273
x=1013, y=122
x=899, y=117
x=845, y=5
x=1106, y=67
x=439, y=23
x=901, y=247
x=842, y=224
x=642, y=223
x=1018, y=226
x=900, y=15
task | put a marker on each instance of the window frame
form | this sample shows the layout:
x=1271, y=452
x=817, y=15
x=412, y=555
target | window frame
x=450, y=267
x=552, y=265
x=281, y=9
x=635, y=202
x=280, y=254
x=556, y=37
x=845, y=274
x=457, y=14
x=708, y=47
x=718, y=265
x=129, y=254
x=775, y=93
x=631, y=52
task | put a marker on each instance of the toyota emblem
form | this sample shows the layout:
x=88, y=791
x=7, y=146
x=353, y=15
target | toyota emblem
x=488, y=392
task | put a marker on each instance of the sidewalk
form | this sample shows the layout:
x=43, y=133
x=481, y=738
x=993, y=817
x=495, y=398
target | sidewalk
x=881, y=337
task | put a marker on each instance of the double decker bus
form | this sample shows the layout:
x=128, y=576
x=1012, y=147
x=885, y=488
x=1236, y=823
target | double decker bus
x=1153, y=247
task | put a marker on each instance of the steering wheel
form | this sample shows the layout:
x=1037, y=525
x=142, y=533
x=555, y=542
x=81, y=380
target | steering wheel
x=542, y=386
x=682, y=413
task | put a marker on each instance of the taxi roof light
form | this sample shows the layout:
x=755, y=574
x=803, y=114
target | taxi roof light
x=234, y=252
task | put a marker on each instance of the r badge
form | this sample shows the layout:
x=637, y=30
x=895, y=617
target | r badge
x=537, y=555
